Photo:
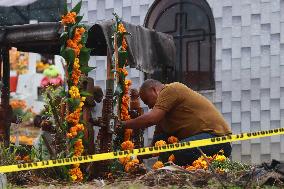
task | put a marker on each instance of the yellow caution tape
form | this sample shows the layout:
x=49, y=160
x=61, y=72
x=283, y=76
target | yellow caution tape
x=140, y=151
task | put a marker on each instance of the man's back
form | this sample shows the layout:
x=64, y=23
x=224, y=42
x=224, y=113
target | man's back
x=189, y=113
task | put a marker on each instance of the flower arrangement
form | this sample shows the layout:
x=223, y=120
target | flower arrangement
x=21, y=111
x=52, y=77
x=77, y=55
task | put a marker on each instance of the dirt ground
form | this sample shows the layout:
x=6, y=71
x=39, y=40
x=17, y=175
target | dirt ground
x=165, y=179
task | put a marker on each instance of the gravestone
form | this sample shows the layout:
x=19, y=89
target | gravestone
x=3, y=181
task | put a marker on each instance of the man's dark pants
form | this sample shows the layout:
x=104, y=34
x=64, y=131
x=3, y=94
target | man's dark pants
x=186, y=157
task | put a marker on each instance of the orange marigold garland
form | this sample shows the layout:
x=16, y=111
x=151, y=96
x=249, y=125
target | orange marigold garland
x=72, y=46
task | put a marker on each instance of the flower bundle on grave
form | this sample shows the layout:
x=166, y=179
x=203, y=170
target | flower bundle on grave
x=124, y=138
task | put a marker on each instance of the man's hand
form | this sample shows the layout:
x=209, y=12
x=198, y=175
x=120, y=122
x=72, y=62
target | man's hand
x=120, y=125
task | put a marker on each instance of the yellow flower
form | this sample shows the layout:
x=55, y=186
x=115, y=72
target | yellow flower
x=73, y=177
x=74, y=92
x=220, y=158
x=121, y=28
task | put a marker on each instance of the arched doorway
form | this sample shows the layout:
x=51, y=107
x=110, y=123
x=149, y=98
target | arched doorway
x=191, y=23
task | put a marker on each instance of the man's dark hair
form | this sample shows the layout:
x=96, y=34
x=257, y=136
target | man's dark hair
x=150, y=83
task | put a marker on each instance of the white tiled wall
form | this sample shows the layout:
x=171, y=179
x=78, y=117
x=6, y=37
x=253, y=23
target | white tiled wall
x=249, y=65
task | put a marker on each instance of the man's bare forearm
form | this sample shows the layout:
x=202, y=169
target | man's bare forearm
x=140, y=122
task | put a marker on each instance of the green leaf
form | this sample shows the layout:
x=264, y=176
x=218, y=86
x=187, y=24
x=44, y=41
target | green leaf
x=79, y=19
x=85, y=93
x=84, y=56
x=84, y=38
x=62, y=51
x=65, y=8
x=86, y=69
x=80, y=134
x=77, y=7
x=71, y=31
x=122, y=56
x=74, y=103
x=63, y=37
x=69, y=57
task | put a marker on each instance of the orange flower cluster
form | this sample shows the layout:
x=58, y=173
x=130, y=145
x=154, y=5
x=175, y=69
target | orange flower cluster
x=78, y=34
x=173, y=140
x=78, y=148
x=124, y=160
x=130, y=165
x=74, y=130
x=121, y=28
x=76, y=73
x=18, y=104
x=124, y=44
x=75, y=42
x=125, y=101
x=127, y=134
x=172, y=158
x=76, y=173
x=160, y=143
x=122, y=70
x=127, y=145
x=158, y=165
x=74, y=117
x=75, y=46
x=69, y=18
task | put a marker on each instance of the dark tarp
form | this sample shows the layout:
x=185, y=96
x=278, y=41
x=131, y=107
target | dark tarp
x=148, y=50
x=41, y=10
x=40, y=38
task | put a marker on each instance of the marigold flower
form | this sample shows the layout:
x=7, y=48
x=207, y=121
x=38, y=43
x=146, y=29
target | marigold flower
x=76, y=73
x=160, y=143
x=158, y=165
x=74, y=117
x=136, y=161
x=76, y=174
x=26, y=158
x=220, y=158
x=18, y=104
x=69, y=135
x=69, y=18
x=173, y=140
x=127, y=145
x=129, y=166
x=127, y=134
x=74, y=92
x=124, y=44
x=124, y=160
x=190, y=168
x=121, y=28
x=220, y=170
x=172, y=158
x=122, y=70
